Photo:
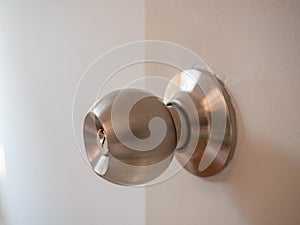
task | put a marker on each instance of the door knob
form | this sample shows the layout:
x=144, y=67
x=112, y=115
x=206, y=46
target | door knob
x=132, y=136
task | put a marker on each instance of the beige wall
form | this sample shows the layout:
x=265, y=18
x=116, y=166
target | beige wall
x=254, y=47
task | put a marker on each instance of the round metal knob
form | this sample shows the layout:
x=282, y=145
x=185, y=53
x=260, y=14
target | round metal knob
x=130, y=137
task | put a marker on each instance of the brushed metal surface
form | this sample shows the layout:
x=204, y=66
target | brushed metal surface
x=125, y=165
x=131, y=136
x=216, y=132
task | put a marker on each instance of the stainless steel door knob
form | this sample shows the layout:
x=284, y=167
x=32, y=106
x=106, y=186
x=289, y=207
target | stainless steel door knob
x=131, y=136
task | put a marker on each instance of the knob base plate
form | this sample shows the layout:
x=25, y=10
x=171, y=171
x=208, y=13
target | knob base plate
x=209, y=123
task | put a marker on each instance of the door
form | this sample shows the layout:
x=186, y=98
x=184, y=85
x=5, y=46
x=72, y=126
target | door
x=253, y=47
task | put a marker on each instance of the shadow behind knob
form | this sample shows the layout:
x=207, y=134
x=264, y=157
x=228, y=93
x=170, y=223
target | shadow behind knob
x=129, y=149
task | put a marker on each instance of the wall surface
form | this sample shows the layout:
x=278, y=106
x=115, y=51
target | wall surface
x=44, y=49
x=253, y=46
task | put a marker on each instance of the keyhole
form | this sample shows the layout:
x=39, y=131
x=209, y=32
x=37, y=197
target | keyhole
x=102, y=142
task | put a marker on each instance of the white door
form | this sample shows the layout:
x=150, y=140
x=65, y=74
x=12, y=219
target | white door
x=45, y=47
x=253, y=46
